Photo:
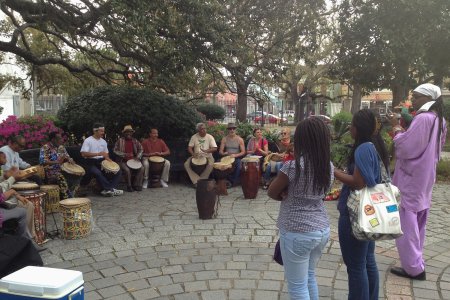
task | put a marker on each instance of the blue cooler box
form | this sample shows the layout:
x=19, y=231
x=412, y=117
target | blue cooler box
x=42, y=283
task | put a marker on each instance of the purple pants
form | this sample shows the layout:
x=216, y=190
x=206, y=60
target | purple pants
x=410, y=245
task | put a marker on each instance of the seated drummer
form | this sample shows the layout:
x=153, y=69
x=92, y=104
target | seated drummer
x=15, y=144
x=23, y=212
x=258, y=145
x=283, y=145
x=95, y=150
x=233, y=145
x=154, y=146
x=127, y=148
x=201, y=144
x=51, y=156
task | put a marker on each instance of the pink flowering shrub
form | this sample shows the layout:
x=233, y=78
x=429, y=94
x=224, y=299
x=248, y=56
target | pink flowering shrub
x=35, y=130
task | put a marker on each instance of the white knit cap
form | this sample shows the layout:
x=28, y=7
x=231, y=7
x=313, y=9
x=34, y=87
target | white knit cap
x=429, y=89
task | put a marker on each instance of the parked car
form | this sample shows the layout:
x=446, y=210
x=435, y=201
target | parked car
x=288, y=113
x=271, y=119
x=253, y=115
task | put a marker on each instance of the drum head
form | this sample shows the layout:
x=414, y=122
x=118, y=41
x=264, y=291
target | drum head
x=23, y=186
x=74, y=202
x=73, y=169
x=252, y=158
x=47, y=187
x=221, y=166
x=227, y=160
x=156, y=159
x=110, y=166
x=199, y=161
x=134, y=164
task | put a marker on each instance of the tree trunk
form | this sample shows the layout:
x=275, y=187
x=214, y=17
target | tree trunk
x=399, y=93
x=241, y=110
x=400, y=84
x=356, y=98
x=295, y=100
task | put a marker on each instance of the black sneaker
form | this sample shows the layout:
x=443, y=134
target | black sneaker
x=402, y=273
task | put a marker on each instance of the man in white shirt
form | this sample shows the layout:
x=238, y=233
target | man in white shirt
x=201, y=144
x=17, y=143
x=95, y=150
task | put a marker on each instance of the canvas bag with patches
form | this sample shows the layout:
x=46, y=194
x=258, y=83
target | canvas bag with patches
x=374, y=211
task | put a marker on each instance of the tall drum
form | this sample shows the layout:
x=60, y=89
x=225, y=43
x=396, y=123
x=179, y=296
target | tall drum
x=221, y=171
x=76, y=217
x=206, y=198
x=73, y=174
x=250, y=176
x=155, y=169
x=52, y=203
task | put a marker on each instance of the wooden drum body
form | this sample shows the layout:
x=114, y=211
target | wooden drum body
x=73, y=174
x=52, y=203
x=76, y=217
x=221, y=172
x=38, y=198
x=206, y=198
x=250, y=177
x=155, y=169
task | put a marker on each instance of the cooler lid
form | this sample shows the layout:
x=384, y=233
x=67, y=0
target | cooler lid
x=42, y=281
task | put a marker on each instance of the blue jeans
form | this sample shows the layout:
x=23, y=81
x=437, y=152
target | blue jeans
x=268, y=171
x=359, y=257
x=235, y=177
x=107, y=184
x=301, y=252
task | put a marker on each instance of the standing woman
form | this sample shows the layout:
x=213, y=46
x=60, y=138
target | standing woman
x=417, y=151
x=304, y=227
x=364, y=170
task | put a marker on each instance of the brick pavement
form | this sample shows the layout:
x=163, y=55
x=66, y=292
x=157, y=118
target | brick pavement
x=151, y=245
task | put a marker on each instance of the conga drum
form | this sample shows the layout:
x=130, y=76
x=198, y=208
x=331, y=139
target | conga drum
x=198, y=164
x=221, y=171
x=110, y=167
x=250, y=176
x=77, y=216
x=155, y=169
x=52, y=203
x=32, y=193
x=206, y=198
x=73, y=174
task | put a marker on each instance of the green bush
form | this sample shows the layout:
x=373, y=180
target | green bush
x=117, y=106
x=443, y=170
x=211, y=111
x=244, y=130
x=340, y=122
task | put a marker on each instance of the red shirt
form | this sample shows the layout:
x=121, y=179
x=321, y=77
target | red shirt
x=150, y=146
x=128, y=149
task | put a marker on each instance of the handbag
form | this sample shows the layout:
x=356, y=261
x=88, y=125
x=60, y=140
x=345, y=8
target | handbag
x=277, y=254
x=374, y=211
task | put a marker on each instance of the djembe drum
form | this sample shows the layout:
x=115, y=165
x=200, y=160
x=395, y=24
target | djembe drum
x=221, y=171
x=206, y=198
x=110, y=167
x=250, y=176
x=155, y=169
x=32, y=193
x=77, y=216
x=73, y=174
x=198, y=164
x=52, y=203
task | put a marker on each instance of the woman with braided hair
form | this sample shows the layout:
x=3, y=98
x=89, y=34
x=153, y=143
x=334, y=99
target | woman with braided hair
x=417, y=151
x=364, y=170
x=304, y=227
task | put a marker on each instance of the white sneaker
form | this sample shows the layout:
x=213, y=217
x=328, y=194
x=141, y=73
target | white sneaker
x=163, y=183
x=107, y=193
x=117, y=192
x=145, y=184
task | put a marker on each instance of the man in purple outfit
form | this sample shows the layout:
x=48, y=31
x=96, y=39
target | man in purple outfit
x=417, y=150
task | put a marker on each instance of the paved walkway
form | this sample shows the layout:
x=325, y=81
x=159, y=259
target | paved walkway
x=151, y=245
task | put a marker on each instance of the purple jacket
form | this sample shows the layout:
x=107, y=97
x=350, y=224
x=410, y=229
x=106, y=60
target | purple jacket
x=417, y=151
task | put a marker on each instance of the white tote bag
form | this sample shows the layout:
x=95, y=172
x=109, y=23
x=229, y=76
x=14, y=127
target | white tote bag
x=374, y=211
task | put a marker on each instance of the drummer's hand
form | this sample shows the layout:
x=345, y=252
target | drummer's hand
x=9, y=193
x=71, y=161
x=392, y=119
x=104, y=154
x=22, y=199
x=14, y=172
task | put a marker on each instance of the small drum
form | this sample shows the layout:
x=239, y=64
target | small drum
x=52, y=203
x=77, y=215
x=134, y=164
x=72, y=173
x=110, y=167
x=25, y=186
x=155, y=169
x=207, y=200
x=221, y=172
x=38, y=198
x=250, y=176
x=198, y=164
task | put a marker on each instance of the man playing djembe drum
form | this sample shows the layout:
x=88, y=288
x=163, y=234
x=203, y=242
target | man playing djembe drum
x=51, y=156
x=233, y=145
x=95, y=150
x=201, y=144
x=154, y=146
x=15, y=144
x=128, y=148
